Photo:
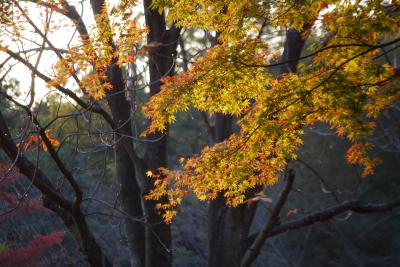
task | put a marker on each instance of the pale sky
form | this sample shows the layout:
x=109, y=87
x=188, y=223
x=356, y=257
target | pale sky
x=60, y=39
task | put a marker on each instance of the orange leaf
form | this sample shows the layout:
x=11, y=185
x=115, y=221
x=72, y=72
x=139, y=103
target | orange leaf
x=292, y=212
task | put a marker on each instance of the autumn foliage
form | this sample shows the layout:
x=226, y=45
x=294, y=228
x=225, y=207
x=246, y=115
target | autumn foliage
x=14, y=207
x=275, y=68
x=34, y=141
x=339, y=81
x=32, y=252
x=18, y=204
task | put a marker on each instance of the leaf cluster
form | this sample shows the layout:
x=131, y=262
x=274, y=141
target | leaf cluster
x=342, y=84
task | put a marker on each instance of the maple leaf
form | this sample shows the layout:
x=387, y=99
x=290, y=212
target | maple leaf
x=357, y=154
x=130, y=59
x=292, y=212
x=35, y=139
x=107, y=86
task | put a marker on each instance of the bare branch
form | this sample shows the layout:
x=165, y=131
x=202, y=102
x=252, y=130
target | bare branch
x=70, y=12
x=255, y=248
x=371, y=48
x=329, y=213
x=26, y=167
x=68, y=92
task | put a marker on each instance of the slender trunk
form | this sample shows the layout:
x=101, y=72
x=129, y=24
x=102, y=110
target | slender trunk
x=125, y=157
x=161, y=63
x=125, y=169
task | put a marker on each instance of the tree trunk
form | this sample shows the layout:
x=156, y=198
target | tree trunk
x=125, y=169
x=228, y=228
x=161, y=63
x=126, y=161
x=149, y=244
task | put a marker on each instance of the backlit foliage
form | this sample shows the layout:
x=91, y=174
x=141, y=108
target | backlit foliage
x=34, y=142
x=87, y=61
x=96, y=54
x=341, y=83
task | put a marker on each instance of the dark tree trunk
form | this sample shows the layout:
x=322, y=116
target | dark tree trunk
x=294, y=44
x=149, y=242
x=129, y=187
x=228, y=228
x=162, y=48
x=125, y=157
x=228, y=231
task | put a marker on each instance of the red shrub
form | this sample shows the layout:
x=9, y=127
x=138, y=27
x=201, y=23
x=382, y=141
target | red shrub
x=32, y=252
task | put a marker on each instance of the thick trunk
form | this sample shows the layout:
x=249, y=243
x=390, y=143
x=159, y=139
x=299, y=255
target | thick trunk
x=228, y=232
x=228, y=228
x=294, y=44
x=150, y=245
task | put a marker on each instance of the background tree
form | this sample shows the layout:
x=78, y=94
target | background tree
x=95, y=64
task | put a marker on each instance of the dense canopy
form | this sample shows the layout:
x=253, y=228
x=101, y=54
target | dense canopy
x=341, y=80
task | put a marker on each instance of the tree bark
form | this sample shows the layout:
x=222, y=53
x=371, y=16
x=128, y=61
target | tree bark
x=294, y=44
x=130, y=191
x=228, y=228
x=162, y=49
x=125, y=157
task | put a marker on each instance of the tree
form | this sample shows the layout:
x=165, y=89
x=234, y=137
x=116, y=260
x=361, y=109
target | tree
x=95, y=65
x=272, y=93
x=339, y=82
